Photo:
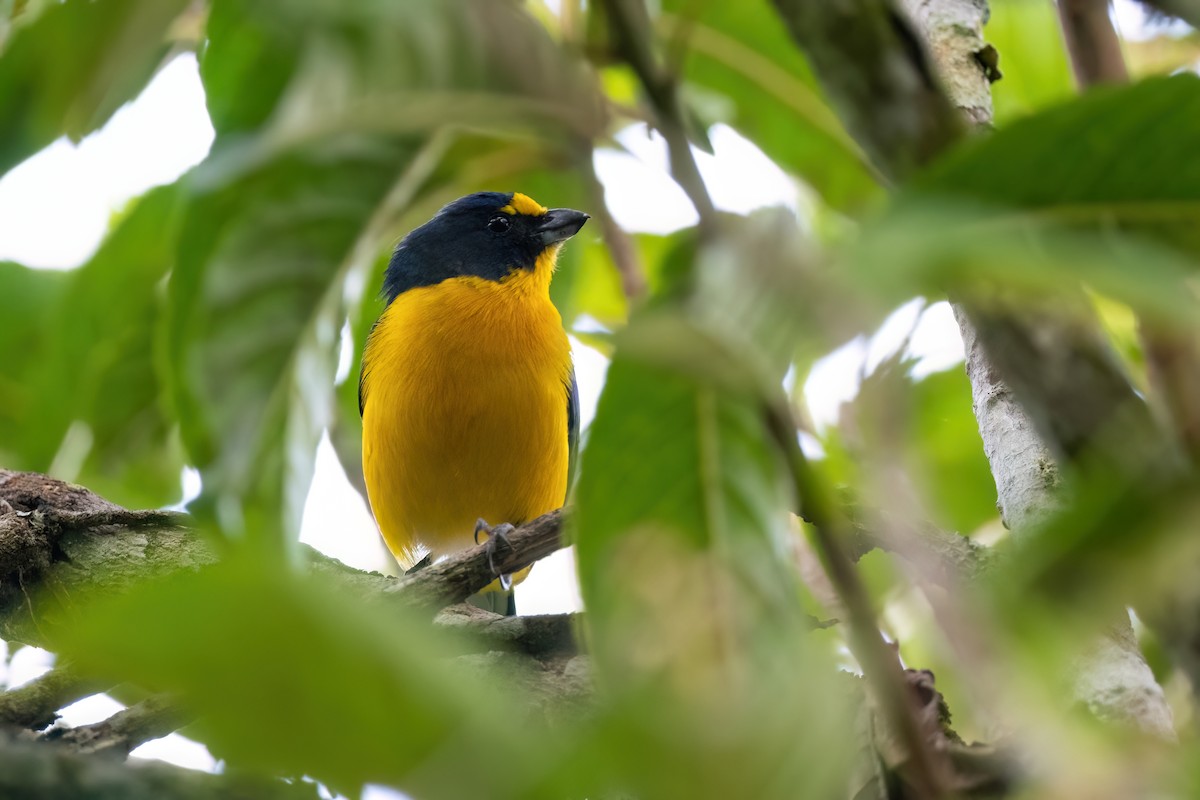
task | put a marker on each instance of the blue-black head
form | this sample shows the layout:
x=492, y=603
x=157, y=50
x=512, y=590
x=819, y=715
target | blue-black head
x=487, y=235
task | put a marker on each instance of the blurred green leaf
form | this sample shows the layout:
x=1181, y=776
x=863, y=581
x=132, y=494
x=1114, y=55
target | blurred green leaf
x=298, y=69
x=71, y=68
x=93, y=405
x=1116, y=157
x=945, y=454
x=25, y=296
x=928, y=432
x=294, y=677
x=927, y=246
x=1027, y=35
x=681, y=536
x=741, y=67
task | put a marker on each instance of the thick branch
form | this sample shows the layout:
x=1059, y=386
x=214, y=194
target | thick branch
x=37, y=770
x=541, y=636
x=33, y=705
x=152, y=718
x=873, y=67
x=76, y=539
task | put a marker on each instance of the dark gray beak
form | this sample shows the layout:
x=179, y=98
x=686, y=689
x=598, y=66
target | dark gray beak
x=559, y=224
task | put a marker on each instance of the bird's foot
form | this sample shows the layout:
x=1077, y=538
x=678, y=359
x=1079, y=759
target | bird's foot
x=496, y=536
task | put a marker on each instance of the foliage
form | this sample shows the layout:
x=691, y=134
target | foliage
x=205, y=332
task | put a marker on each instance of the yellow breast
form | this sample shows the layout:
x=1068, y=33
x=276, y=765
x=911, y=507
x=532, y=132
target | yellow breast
x=465, y=411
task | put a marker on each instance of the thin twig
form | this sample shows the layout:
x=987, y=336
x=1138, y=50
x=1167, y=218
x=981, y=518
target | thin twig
x=880, y=663
x=632, y=32
x=1092, y=42
x=624, y=252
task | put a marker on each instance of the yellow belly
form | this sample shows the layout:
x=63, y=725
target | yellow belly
x=465, y=413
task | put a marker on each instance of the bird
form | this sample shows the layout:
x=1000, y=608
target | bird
x=467, y=392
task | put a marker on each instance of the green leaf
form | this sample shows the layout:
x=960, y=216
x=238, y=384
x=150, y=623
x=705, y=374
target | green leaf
x=304, y=69
x=90, y=402
x=927, y=246
x=257, y=307
x=1115, y=157
x=741, y=67
x=929, y=421
x=945, y=454
x=72, y=67
x=292, y=676
x=102, y=370
x=25, y=294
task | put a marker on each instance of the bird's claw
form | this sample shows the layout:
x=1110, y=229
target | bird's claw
x=496, y=535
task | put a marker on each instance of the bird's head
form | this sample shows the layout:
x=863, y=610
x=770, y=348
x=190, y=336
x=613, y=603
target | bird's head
x=493, y=236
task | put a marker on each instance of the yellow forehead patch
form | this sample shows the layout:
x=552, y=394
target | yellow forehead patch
x=524, y=204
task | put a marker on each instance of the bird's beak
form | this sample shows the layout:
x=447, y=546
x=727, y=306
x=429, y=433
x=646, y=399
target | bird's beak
x=559, y=224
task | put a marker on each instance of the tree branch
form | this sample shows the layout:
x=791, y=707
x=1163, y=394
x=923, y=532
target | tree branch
x=881, y=665
x=38, y=770
x=622, y=248
x=874, y=69
x=152, y=718
x=465, y=573
x=632, y=33
x=33, y=704
x=1092, y=42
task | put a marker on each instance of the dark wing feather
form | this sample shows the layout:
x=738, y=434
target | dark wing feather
x=362, y=370
x=572, y=429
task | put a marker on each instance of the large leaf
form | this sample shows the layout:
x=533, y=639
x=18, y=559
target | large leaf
x=1116, y=156
x=69, y=69
x=90, y=401
x=306, y=183
x=25, y=294
x=741, y=67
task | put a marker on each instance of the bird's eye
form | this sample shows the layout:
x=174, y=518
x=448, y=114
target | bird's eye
x=498, y=224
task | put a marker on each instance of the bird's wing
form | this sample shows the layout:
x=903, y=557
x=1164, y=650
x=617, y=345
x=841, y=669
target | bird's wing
x=362, y=370
x=572, y=428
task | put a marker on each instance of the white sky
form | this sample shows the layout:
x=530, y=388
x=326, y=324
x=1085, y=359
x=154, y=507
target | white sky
x=55, y=207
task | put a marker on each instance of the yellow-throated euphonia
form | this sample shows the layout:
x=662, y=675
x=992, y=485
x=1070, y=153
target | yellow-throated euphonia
x=467, y=392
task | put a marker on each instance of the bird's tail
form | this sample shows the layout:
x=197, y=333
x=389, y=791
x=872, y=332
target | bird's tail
x=498, y=601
